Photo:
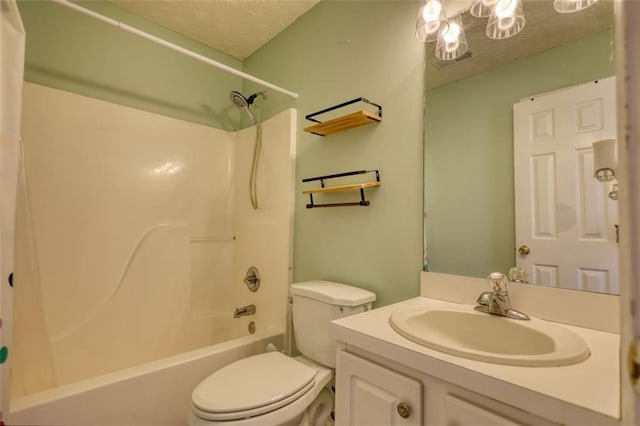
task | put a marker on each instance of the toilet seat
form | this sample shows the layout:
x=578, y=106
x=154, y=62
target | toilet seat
x=244, y=414
x=252, y=386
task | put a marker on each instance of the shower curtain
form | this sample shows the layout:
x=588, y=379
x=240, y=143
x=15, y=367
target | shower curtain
x=12, y=44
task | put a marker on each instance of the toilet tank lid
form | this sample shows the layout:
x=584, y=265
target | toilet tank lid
x=333, y=293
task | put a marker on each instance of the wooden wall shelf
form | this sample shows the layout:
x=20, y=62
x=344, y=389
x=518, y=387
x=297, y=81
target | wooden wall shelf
x=345, y=122
x=339, y=188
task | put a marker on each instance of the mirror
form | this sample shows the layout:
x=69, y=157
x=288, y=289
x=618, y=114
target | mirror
x=470, y=190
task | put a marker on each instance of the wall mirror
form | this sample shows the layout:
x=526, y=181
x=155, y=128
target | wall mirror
x=544, y=96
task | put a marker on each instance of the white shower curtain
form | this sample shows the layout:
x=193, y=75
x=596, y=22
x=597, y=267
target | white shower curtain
x=12, y=43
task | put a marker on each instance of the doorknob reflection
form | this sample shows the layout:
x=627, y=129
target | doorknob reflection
x=524, y=250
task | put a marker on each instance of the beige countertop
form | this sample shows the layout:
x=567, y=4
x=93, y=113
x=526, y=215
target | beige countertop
x=564, y=394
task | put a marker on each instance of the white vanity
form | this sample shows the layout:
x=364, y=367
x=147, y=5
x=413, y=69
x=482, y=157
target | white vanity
x=384, y=378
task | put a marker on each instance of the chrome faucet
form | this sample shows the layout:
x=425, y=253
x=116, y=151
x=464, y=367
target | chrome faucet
x=244, y=311
x=496, y=301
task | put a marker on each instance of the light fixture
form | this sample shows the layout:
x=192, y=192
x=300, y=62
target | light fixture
x=570, y=6
x=452, y=41
x=431, y=17
x=604, y=160
x=506, y=20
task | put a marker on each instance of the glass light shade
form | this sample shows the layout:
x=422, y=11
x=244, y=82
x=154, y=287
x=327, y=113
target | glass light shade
x=482, y=8
x=570, y=6
x=506, y=20
x=452, y=41
x=431, y=18
x=604, y=160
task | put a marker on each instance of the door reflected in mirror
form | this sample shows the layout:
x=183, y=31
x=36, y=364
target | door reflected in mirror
x=509, y=157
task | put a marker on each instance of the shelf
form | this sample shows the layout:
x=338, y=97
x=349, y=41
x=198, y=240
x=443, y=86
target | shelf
x=345, y=122
x=338, y=188
x=341, y=188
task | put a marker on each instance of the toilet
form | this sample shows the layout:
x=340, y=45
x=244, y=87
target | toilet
x=273, y=389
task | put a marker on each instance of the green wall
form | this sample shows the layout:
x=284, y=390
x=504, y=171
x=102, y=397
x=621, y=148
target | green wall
x=469, y=190
x=339, y=51
x=76, y=53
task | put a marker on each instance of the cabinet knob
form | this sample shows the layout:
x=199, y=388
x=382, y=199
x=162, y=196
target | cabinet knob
x=404, y=410
x=524, y=250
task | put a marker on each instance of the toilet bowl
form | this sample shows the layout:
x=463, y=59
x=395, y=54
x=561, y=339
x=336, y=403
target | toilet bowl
x=272, y=389
x=267, y=389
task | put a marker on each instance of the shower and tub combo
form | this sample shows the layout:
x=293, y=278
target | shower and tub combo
x=133, y=243
x=133, y=235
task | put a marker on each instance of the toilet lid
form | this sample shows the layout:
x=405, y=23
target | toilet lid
x=251, y=383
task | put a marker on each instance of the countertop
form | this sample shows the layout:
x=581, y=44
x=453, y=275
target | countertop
x=562, y=394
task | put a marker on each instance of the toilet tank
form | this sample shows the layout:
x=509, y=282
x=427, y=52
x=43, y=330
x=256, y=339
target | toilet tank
x=315, y=305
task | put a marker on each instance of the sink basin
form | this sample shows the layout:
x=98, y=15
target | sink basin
x=483, y=337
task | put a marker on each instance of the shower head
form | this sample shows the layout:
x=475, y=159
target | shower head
x=240, y=102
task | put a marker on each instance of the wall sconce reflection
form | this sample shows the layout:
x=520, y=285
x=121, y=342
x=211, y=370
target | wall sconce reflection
x=604, y=165
x=604, y=160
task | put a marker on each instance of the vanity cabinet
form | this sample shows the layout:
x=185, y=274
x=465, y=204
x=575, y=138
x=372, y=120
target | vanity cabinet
x=371, y=390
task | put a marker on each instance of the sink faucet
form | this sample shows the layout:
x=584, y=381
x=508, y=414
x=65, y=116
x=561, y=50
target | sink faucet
x=497, y=301
x=244, y=311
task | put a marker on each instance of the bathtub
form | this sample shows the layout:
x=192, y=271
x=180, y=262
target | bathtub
x=153, y=394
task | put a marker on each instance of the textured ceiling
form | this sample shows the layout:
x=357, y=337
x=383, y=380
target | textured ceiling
x=544, y=30
x=235, y=27
x=240, y=27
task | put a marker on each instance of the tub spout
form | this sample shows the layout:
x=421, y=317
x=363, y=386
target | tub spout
x=244, y=311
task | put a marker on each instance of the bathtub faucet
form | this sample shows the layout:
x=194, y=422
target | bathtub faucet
x=244, y=311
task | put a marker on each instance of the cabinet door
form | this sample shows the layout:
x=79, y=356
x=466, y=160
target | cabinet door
x=368, y=394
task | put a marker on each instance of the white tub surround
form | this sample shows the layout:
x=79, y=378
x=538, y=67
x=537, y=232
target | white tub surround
x=583, y=393
x=138, y=227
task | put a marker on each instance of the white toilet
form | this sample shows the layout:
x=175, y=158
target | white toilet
x=273, y=389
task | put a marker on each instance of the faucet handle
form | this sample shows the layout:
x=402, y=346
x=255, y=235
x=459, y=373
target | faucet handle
x=498, y=283
x=484, y=299
x=518, y=274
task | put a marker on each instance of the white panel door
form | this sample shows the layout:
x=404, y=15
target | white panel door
x=370, y=395
x=563, y=214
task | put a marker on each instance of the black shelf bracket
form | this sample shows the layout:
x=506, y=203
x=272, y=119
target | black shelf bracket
x=363, y=201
